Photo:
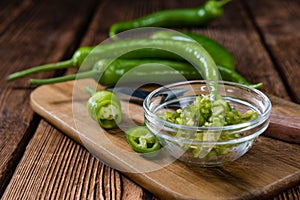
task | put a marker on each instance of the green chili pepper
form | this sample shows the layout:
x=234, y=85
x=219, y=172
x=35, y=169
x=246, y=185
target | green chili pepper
x=144, y=71
x=104, y=107
x=190, y=51
x=202, y=15
x=83, y=52
x=156, y=71
x=142, y=140
x=219, y=53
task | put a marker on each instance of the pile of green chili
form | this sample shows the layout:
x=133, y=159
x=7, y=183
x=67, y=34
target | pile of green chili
x=204, y=112
x=111, y=72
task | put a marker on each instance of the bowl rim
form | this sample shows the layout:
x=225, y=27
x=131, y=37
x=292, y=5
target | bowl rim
x=262, y=117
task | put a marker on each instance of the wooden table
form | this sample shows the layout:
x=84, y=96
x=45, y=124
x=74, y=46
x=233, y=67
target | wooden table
x=37, y=161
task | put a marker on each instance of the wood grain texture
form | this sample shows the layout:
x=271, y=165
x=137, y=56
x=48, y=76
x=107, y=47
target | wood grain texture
x=55, y=167
x=235, y=30
x=262, y=173
x=10, y=10
x=281, y=35
x=33, y=34
x=284, y=120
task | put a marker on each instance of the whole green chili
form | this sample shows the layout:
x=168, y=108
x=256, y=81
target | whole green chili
x=192, y=52
x=220, y=55
x=144, y=71
x=141, y=71
x=80, y=54
x=202, y=15
x=104, y=107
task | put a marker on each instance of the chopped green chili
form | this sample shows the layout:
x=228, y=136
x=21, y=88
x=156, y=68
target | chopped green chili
x=206, y=113
x=142, y=140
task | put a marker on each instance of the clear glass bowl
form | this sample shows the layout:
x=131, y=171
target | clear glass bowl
x=217, y=144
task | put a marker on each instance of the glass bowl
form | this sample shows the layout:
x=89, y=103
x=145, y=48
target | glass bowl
x=206, y=146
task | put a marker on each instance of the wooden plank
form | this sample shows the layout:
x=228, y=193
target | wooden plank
x=263, y=172
x=107, y=14
x=10, y=10
x=280, y=31
x=38, y=35
x=55, y=167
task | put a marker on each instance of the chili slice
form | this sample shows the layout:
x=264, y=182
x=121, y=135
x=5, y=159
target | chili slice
x=142, y=140
x=104, y=107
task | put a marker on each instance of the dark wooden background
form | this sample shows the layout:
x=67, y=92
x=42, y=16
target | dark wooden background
x=37, y=161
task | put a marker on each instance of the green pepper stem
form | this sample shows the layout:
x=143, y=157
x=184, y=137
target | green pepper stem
x=113, y=31
x=58, y=65
x=222, y=2
x=257, y=85
x=82, y=75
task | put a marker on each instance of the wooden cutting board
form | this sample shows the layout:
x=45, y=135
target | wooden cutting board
x=270, y=167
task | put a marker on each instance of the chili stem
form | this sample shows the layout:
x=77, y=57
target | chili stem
x=58, y=65
x=222, y=2
x=257, y=85
x=88, y=74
